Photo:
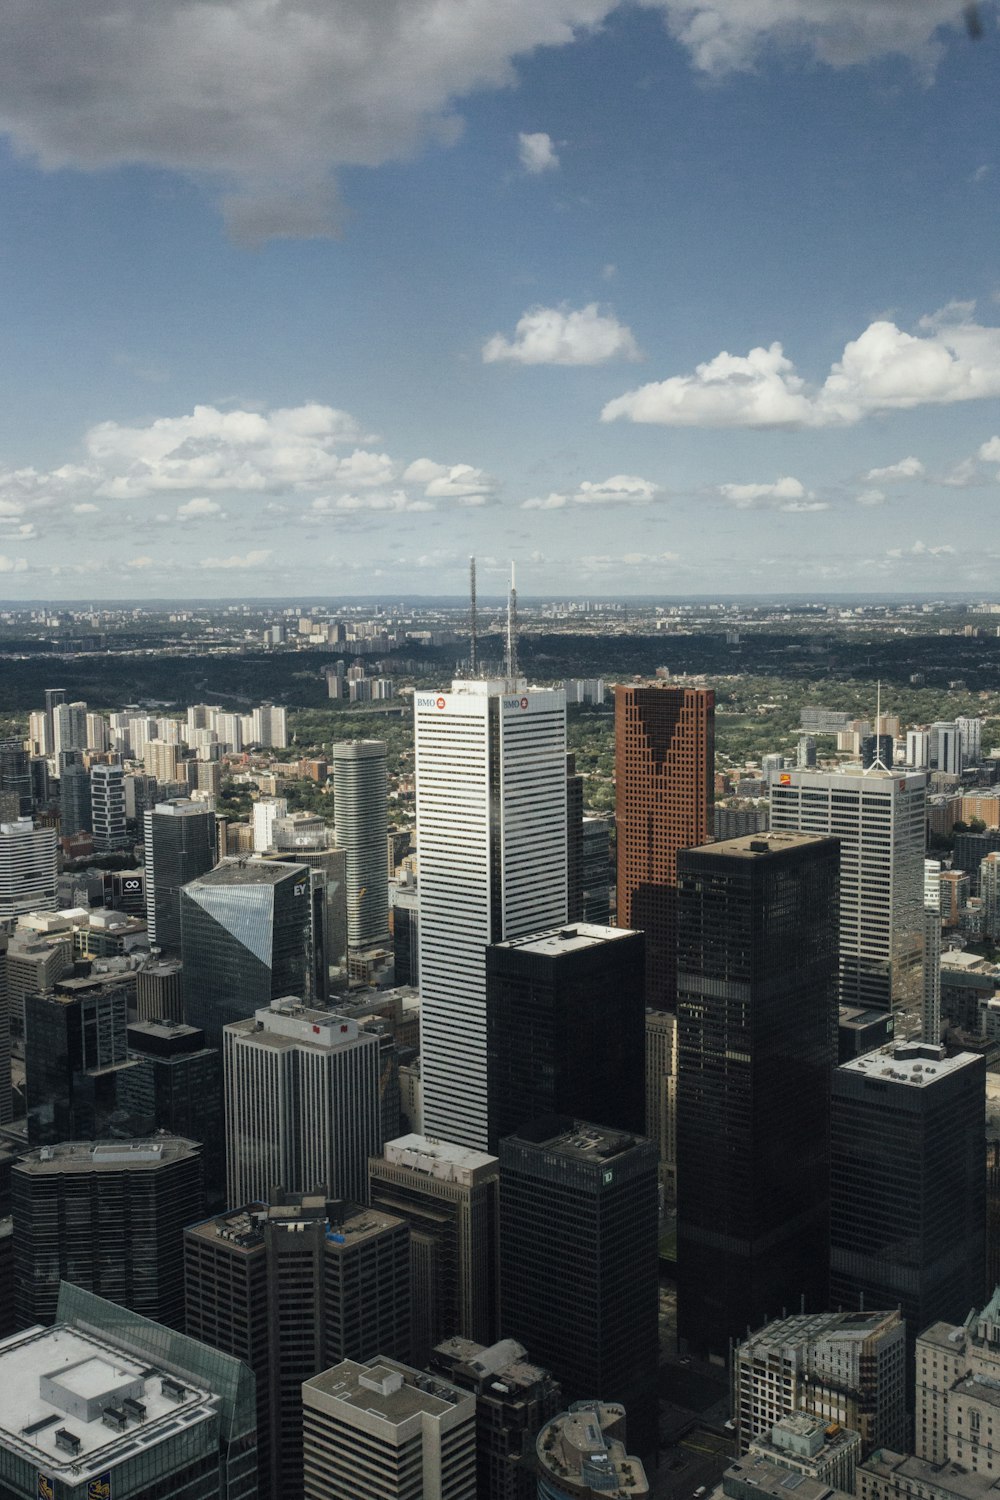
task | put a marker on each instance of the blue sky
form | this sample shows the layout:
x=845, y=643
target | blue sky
x=674, y=297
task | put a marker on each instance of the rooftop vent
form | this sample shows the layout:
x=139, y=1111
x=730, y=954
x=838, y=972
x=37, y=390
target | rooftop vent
x=68, y=1441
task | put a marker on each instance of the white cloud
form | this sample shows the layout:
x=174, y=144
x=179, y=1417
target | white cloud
x=602, y=562
x=254, y=559
x=561, y=336
x=459, y=482
x=870, y=498
x=907, y=468
x=784, y=493
x=86, y=509
x=884, y=369
x=921, y=549
x=620, y=489
x=197, y=509
x=989, y=452
x=13, y=564
x=726, y=35
x=537, y=152
x=140, y=563
x=396, y=500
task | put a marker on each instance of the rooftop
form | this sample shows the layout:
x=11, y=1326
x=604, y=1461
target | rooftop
x=388, y=1389
x=916, y=1064
x=758, y=845
x=581, y=1445
x=578, y=1140
x=507, y=1358
x=57, y=1384
x=771, y=1479
x=802, y=1328
x=86, y=1156
x=570, y=938
x=288, y=1023
x=245, y=871
x=950, y=1477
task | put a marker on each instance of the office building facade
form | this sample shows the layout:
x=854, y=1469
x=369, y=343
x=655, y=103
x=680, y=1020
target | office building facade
x=566, y=1028
x=908, y=1186
x=578, y=1261
x=664, y=780
x=756, y=1039
x=110, y=1219
x=107, y=809
x=179, y=839
x=491, y=814
x=247, y=938
x=75, y=1056
x=879, y=818
x=361, y=816
x=27, y=869
x=302, y=1103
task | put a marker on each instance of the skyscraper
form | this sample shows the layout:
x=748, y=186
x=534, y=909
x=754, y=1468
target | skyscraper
x=566, y=1028
x=74, y=794
x=756, y=1040
x=69, y=727
x=879, y=818
x=302, y=1103
x=15, y=780
x=246, y=939
x=108, y=1218
x=75, y=1048
x=491, y=819
x=664, y=779
x=361, y=814
x=931, y=1028
x=27, y=868
x=107, y=799
x=179, y=838
x=907, y=1183
x=578, y=1261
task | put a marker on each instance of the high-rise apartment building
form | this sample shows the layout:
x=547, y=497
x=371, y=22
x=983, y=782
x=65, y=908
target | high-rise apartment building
x=491, y=819
x=879, y=818
x=918, y=749
x=108, y=1218
x=108, y=1403
x=74, y=794
x=247, y=938
x=383, y=1429
x=269, y=726
x=162, y=760
x=970, y=735
x=107, y=809
x=27, y=869
x=946, y=747
x=908, y=1187
x=292, y=1288
x=361, y=814
x=179, y=839
x=302, y=1103
x=448, y=1195
x=69, y=727
x=566, y=1028
x=664, y=780
x=756, y=1039
x=847, y=1367
x=15, y=780
x=578, y=1261
x=265, y=813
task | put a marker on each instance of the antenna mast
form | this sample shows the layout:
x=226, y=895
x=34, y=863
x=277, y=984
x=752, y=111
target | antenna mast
x=878, y=764
x=473, y=622
x=512, y=627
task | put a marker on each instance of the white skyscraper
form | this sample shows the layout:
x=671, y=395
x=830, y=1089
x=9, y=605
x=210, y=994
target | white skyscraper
x=931, y=1029
x=27, y=868
x=491, y=835
x=918, y=748
x=302, y=1103
x=69, y=727
x=970, y=733
x=879, y=817
x=265, y=811
x=946, y=747
x=360, y=817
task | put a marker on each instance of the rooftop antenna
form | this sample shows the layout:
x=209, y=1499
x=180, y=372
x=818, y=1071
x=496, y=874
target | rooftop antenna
x=878, y=764
x=512, y=626
x=473, y=623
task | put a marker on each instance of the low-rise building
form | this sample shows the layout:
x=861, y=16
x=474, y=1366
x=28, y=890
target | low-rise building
x=810, y=1445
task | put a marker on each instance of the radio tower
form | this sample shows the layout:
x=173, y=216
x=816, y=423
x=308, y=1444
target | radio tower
x=512, y=627
x=473, y=623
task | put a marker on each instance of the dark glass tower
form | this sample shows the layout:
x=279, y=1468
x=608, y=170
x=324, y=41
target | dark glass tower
x=180, y=845
x=246, y=939
x=75, y=1059
x=566, y=1028
x=175, y=1084
x=664, y=776
x=15, y=779
x=907, y=1184
x=756, y=1040
x=578, y=1261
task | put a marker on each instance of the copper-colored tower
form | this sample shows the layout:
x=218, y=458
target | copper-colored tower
x=664, y=774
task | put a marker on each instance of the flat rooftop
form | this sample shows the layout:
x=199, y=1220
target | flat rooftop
x=428, y=1155
x=771, y=1479
x=506, y=1358
x=917, y=1064
x=802, y=1328
x=579, y=1140
x=949, y=1477
x=387, y=1388
x=85, y=1156
x=571, y=937
x=237, y=871
x=760, y=845
x=58, y=1381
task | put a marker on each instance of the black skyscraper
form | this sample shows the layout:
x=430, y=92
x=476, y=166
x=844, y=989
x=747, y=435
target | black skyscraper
x=578, y=1261
x=566, y=1028
x=180, y=845
x=75, y=1061
x=907, y=1184
x=757, y=1038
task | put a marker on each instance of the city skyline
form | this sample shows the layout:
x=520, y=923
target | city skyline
x=589, y=285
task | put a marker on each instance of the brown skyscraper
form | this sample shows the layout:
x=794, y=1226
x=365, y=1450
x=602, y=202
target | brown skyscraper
x=664, y=770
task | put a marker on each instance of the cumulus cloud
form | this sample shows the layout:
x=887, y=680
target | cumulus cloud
x=921, y=549
x=907, y=468
x=397, y=500
x=870, y=498
x=951, y=359
x=601, y=562
x=459, y=482
x=198, y=509
x=562, y=336
x=784, y=494
x=989, y=452
x=255, y=559
x=537, y=152
x=86, y=509
x=13, y=564
x=620, y=489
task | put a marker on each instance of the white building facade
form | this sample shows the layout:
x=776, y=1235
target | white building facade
x=491, y=834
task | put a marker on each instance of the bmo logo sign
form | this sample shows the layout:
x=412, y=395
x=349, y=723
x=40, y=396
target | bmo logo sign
x=431, y=700
x=521, y=703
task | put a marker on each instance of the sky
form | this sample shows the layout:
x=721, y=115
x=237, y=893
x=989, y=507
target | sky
x=661, y=298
